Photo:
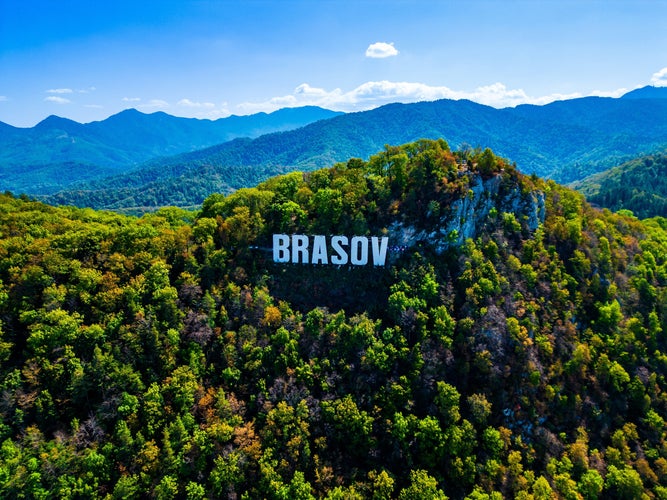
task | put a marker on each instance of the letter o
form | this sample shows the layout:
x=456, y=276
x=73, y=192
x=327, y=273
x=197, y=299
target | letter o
x=359, y=251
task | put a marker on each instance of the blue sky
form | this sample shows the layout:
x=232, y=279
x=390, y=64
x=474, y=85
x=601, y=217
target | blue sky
x=87, y=60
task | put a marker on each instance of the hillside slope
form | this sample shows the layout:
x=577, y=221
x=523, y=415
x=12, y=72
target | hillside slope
x=511, y=346
x=639, y=185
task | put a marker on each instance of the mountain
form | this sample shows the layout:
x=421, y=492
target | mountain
x=58, y=152
x=639, y=185
x=506, y=340
x=648, y=92
x=566, y=140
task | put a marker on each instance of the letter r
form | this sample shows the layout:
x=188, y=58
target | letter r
x=299, y=248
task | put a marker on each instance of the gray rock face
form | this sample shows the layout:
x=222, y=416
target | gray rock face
x=465, y=217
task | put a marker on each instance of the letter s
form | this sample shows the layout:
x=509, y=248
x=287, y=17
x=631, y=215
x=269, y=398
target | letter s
x=341, y=255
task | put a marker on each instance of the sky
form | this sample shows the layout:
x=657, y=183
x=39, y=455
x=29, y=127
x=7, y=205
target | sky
x=87, y=60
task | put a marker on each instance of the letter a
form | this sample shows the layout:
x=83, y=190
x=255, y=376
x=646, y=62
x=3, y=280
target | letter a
x=319, y=250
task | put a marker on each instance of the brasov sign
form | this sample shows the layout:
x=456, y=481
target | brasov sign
x=341, y=250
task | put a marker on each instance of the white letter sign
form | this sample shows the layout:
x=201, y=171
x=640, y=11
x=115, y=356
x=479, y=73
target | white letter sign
x=340, y=251
x=280, y=248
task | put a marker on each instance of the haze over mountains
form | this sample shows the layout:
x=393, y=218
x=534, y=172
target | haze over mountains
x=564, y=140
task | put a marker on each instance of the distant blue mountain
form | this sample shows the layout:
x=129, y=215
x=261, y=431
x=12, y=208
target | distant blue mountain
x=647, y=92
x=137, y=160
x=58, y=152
x=564, y=140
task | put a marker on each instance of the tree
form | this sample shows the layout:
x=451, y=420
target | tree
x=487, y=163
x=590, y=485
x=447, y=400
x=421, y=486
x=352, y=426
x=624, y=483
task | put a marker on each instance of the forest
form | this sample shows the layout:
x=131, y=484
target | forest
x=169, y=356
x=639, y=185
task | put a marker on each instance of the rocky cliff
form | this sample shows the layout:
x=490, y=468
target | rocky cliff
x=466, y=217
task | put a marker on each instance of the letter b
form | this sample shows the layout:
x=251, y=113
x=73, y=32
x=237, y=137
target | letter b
x=281, y=248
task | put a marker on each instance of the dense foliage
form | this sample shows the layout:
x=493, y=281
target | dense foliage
x=565, y=141
x=639, y=186
x=168, y=356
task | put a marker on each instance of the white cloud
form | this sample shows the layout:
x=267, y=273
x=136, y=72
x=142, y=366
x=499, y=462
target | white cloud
x=659, y=79
x=204, y=110
x=213, y=114
x=131, y=99
x=57, y=100
x=379, y=50
x=86, y=91
x=94, y=106
x=303, y=95
x=155, y=104
x=373, y=94
x=190, y=104
x=59, y=91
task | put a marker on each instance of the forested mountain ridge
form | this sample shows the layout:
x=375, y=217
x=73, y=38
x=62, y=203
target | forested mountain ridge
x=170, y=356
x=639, y=185
x=565, y=140
x=58, y=152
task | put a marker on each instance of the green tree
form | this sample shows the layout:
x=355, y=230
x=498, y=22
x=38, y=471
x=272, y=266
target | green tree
x=353, y=427
x=447, y=399
x=421, y=486
x=624, y=483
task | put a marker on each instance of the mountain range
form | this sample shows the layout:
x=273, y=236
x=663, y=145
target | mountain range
x=564, y=140
x=58, y=152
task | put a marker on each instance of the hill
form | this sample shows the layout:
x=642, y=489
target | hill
x=639, y=185
x=648, y=92
x=564, y=140
x=511, y=346
x=58, y=152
